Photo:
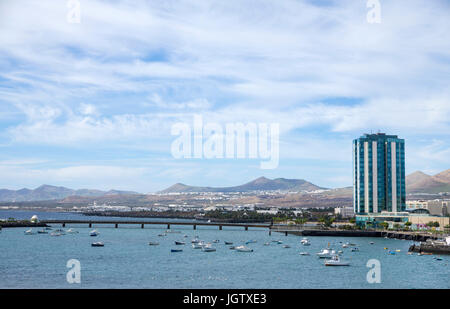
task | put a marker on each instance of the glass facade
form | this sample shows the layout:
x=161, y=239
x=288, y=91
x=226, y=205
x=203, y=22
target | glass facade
x=378, y=174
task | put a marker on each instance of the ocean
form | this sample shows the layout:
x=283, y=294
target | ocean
x=127, y=261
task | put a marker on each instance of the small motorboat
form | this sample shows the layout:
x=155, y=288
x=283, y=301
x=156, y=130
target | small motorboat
x=185, y=236
x=232, y=248
x=304, y=253
x=48, y=228
x=243, y=249
x=72, y=231
x=250, y=242
x=162, y=234
x=56, y=233
x=345, y=246
x=371, y=242
x=208, y=249
x=438, y=258
x=305, y=242
x=228, y=243
x=94, y=233
x=172, y=231
x=176, y=250
x=286, y=246
x=326, y=253
x=197, y=246
x=355, y=249
x=267, y=244
x=216, y=241
x=43, y=231
x=195, y=241
x=336, y=261
x=28, y=232
x=391, y=252
x=179, y=243
x=153, y=243
x=97, y=244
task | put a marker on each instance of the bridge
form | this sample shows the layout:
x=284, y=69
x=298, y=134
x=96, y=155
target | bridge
x=116, y=223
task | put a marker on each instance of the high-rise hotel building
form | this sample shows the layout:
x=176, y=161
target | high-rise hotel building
x=378, y=174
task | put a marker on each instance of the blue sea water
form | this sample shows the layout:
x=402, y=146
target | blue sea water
x=127, y=261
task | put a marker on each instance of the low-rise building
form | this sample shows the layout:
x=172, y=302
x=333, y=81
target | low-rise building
x=436, y=207
x=344, y=212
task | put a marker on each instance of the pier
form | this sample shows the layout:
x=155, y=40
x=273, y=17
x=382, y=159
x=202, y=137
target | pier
x=142, y=224
x=415, y=236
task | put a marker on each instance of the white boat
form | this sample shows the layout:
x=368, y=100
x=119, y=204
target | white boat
x=336, y=261
x=304, y=240
x=60, y=231
x=43, y=231
x=28, y=232
x=55, y=233
x=267, y=244
x=72, y=231
x=306, y=243
x=197, y=246
x=94, y=233
x=304, y=253
x=345, y=246
x=97, y=244
x=243, y=249
x=208, y=248
x=216, y=241
x=153, y=243
x=195, y=241
x=326, y=253
x=250, y=242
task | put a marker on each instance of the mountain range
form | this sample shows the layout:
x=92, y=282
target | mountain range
x=259, y=184
x=417, y=182
x=47, y=192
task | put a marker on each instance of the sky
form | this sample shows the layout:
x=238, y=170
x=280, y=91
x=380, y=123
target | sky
x=92, y=104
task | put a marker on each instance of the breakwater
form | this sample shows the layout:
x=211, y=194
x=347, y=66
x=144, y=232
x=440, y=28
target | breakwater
x=7, y=224
x=430, y=248
x=357, y=233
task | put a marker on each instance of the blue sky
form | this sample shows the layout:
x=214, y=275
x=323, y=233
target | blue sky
x=91, y=105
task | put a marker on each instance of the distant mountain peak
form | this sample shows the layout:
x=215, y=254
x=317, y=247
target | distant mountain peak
x=259, y=184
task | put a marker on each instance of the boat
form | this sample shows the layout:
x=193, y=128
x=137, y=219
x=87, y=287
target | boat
x=208, y=248
x=306, y=243
x=326, y=253
x=267, y=244
x=185, y=236
x=153, y=243
x=304, y=253
x=162, y=234
x=171, y=231
x=216, y=241
x=179, y=243
x=438, y=258
x=197, y=246
x=243, y=249
x=345, y=246
x=94, y=233
x=250, y=242
x=47, y=228
x=43, y=231
x=355, y=249
x=340, y=252
x=55, y=233
x=72, y=231
x=304, y=239
x=286, y=246
x=391, y=252
x=97, y=244
x=232, y=248
x=195, y=241
x=28, y=232
x=336, y=261
x=228, y=243
x=176, y=250
x=371, y=242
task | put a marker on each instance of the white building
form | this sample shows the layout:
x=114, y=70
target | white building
x=344, y=212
